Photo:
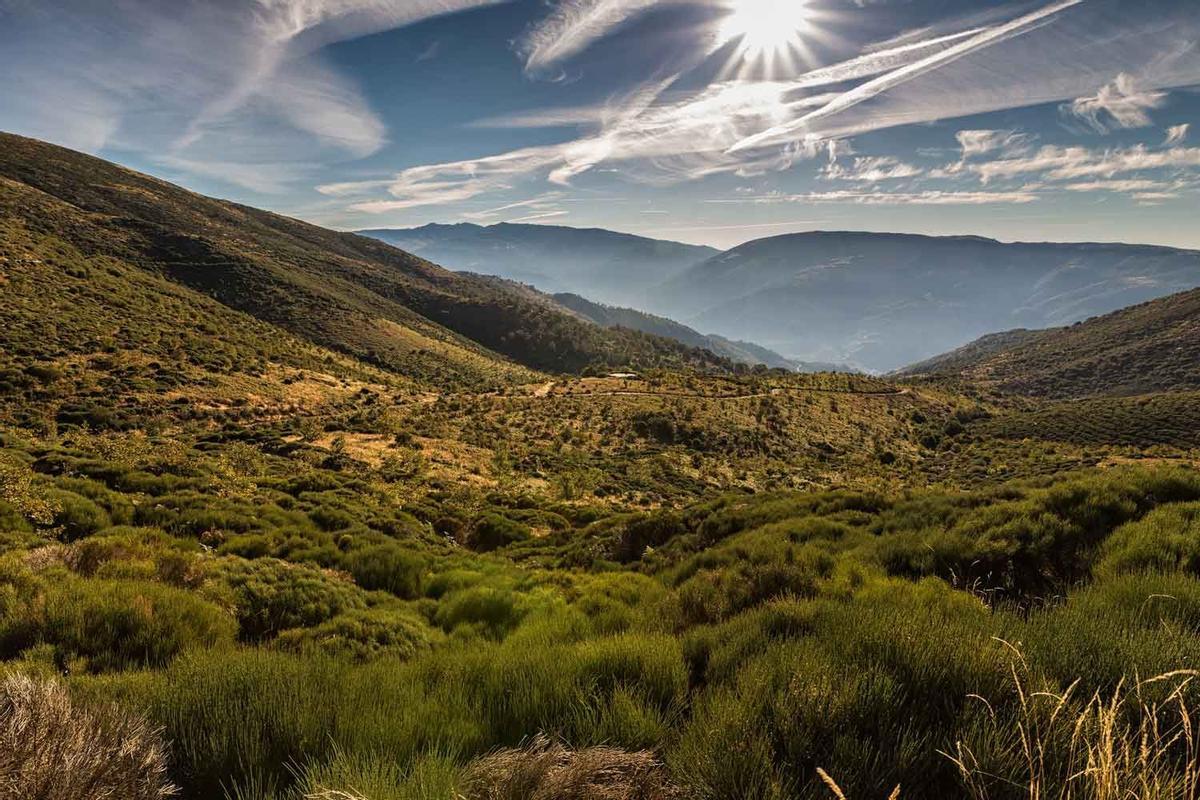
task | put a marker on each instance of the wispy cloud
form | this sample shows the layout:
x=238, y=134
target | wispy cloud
x=863, y=92
x=1120, y=104
x=159, y=78
x=879, y=197
x=573, y=26
x=1177, y=135
x=983, y=142
x=871, y=169
x=1069, y=163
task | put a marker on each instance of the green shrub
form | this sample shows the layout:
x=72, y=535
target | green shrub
x=77, y=516
x=362, y=635
x=388, y=568
x=271, y=596
x=492, y=531
x=1165, y=540
x=492, y=612
x=121, y=624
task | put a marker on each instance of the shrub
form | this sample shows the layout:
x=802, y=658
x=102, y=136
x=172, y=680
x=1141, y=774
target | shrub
x=120, y=624
x=492, y=531
x=546, y=770
x=52, y=748
x=388, y=568
x=1165, y=540
x=272, y=596
x=493, y=612
x=362, y=635
x=77, y=516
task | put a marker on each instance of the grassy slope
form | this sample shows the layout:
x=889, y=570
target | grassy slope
x=1151, y=347
x=338, y=290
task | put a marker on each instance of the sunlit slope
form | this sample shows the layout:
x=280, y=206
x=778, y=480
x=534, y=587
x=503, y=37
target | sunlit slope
x=334, y=289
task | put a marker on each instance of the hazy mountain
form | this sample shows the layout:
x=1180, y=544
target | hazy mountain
x=885, y=300
x=614, y=268
x=341, y=291
x=612, y=317
x=1150, y=347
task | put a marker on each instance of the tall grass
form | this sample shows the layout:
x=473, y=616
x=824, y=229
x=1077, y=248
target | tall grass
x=1137, y=743
x=53, y=748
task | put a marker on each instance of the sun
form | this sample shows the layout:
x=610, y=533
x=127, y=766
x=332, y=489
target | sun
x=765, y=27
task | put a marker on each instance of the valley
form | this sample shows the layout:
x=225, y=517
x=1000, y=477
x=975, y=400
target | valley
x=289, y=514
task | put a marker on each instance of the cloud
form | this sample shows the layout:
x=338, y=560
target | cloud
x=574, y=25
x=157, y=78
x=863, y=92
x=1176, y=135
x=685, y=124
x=1069, y=163
x=1120, y=104
x=536, y=217
x=982, y=142
x=930, y=198
x=871, y=170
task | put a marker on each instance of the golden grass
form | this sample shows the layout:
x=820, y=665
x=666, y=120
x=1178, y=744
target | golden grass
x=54, y=749
x=1139, y=743
x=547, y=770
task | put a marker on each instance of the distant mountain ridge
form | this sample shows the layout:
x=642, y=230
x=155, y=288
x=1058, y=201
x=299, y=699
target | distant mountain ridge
x=608, y=267
x=885, y=300
x=612, y=316
x=1150, y=347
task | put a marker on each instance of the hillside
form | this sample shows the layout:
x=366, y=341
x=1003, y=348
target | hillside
x=345, y=292
x=614, y=268
x=886, y=300
x=612, y=317
x=1150, y=347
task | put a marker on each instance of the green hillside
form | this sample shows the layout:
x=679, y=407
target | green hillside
x=1151, y=347
x=341, y=291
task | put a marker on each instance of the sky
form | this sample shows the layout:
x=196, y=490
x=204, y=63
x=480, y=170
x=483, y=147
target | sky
x=705, y=121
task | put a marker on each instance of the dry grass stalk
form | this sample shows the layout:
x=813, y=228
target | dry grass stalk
x=1123, y=747
x=547, y=770
x=828, y=780
x=54, y=749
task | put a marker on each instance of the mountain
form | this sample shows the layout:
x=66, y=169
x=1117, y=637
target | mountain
x=614, y=268
x=886, y=300
x=614, y=317
x=1150, y=347
x=344, y=292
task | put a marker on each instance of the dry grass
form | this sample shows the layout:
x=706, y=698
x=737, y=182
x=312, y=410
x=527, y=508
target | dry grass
x=1140, y=743
x=837, y=792
x=54, y=749
x=546, y=770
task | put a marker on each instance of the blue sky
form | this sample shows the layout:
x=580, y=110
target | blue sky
x=708, y=121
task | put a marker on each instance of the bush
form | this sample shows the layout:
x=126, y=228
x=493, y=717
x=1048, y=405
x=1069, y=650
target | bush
x=272, y=596
x=493, y=531
x=77, y=516
x=52, y=748
x=121, y=624
x=492, y=612
x=388, y=568
x=363, y=635
x=546, y=770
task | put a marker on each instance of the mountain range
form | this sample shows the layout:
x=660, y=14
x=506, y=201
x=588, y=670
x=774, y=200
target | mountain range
x=613, y=268
x=876, y=301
